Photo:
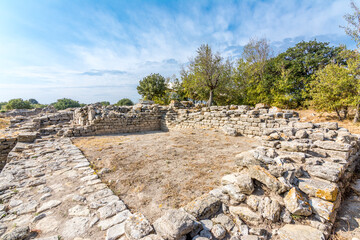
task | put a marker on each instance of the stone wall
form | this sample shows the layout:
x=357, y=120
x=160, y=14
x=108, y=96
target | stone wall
x=27, y=112
x=236, y=120
x=7, y=143
x=95, y=120
x=290, y=187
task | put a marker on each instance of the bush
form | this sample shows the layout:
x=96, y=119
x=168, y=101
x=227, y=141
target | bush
x=65, y=103
x=33, y=101
x=105, y=103
x=18, y=103
x=124, y=102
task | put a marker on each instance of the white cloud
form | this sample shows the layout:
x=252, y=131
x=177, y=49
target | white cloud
x=148, y=38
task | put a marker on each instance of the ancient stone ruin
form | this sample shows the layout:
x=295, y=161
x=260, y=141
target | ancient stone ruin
x=290, y=187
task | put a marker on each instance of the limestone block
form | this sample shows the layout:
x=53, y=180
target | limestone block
x=246, y=214
x=325, y=209
x=203, y=207
x=137, y=226
x=300, y=232
x=264, y=176
x=174, y=224
x=242, y=180
x=319, y=188
x=296, y=203
x=331, y=145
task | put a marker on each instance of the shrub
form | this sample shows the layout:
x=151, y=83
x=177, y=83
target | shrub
x=65, y=103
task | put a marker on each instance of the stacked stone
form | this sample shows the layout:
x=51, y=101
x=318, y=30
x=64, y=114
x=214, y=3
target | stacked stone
x=7, y=143
x=233, y=120
x=95, y=120
x=48, y=191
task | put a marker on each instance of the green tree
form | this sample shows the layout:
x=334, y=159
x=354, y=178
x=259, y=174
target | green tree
x=33, y=101
x=176, y=89
x=65, y=103
x=18, y=103
x=104, y=103
x=297, y=65
x=333, y=89
x=124, y=102
x=152, y=87
x=205, y=74
x=353, y=30
x=251, y=74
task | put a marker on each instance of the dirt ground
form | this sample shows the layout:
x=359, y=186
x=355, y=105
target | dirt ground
x=347, y=224
x=4, y=122
x=155, y=171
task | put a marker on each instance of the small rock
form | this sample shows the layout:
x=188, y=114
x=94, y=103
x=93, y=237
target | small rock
x=137, y=226
x=18, y=233
x=174, y=224
x=218, y=231
x=293, y=231
x=296, y=203
x=115, y=232
x=48, y=205
x=203, y=207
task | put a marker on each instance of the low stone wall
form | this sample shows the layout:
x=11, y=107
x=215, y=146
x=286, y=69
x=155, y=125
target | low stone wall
x=95, y=120
x=236, y=120
x=27, y=112
x=7, y=143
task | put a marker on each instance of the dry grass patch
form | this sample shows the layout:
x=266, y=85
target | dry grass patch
x=316, y=117
x=4, y=122
x=156, y=171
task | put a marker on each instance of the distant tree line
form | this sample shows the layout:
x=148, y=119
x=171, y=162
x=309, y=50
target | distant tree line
x=60, y=104
x=309, y=74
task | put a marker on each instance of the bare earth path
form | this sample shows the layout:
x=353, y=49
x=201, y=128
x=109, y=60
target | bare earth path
x=155, y=171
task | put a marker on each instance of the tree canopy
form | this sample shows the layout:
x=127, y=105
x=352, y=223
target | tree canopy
x=152, y=87
x=125, y=102
x=65, y=103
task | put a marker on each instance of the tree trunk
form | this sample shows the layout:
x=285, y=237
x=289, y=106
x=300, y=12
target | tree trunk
x=357, y=113
x=338, y=114
x=210, y=98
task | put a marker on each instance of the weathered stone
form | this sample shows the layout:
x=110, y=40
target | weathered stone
x=48, y=205
x=242, y=180
x=27, y=136
x=299, y=232
x=137, y=226
x=115, y=232
x=331, y=145
x=118, y=218
x=206, y=224
x=218, y=231
x=18, y=233
x=224, y=220
x=229, y=131
x=297, y=157
x=263, y=176
x=328, y=170
x=111, y=209
x=303, y=125
x=356, y=186
x=324, y=208
x=295, y=146
x=320, y=189
x=174, y=224
x=246, y=158
x=246, y=214
x=270, y=209
x=296, y=203
x=203, y=207
x=79, y=210
x=329, y=125
x=75, y=227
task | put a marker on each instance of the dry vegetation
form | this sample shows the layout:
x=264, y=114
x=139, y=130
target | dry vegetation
x=315, y=117
x=4, y=122
x=155, y=171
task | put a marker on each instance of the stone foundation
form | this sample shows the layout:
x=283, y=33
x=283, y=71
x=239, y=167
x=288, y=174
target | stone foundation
x=290, y=187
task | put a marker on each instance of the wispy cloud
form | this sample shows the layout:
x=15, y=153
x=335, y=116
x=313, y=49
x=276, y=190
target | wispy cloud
x=95, y=72
x=71, y=47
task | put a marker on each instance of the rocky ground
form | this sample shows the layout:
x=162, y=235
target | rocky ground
x=152, y=172
x=347, y=225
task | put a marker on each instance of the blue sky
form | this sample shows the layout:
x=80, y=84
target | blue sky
x=99, y=50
